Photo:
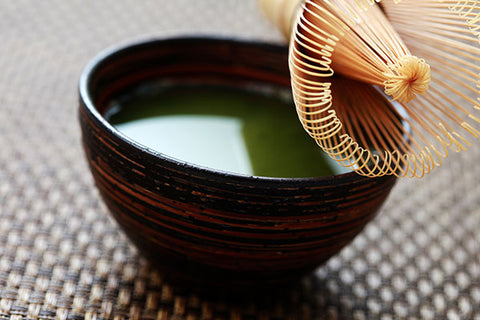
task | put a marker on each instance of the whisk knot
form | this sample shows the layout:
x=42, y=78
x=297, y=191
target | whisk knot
x=406, y=78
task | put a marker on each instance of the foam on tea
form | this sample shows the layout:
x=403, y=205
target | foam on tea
x=242, y=131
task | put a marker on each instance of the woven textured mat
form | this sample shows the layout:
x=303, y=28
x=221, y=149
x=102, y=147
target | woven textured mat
x=61, y=255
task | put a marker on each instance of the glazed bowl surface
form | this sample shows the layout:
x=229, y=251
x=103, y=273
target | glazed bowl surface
x=204, y=226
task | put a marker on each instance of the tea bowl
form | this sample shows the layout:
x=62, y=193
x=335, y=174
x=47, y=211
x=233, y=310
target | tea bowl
x=205, y=227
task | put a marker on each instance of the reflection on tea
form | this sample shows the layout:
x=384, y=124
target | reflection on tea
x=241, y=131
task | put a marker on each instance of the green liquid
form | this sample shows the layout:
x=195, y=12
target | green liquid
x=240, y=131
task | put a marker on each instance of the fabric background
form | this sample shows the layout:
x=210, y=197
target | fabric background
x=62, y=257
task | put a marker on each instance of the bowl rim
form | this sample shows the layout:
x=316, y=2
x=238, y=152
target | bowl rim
x=103, y=57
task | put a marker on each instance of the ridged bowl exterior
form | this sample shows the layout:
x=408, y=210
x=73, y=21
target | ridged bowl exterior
x=207, y=226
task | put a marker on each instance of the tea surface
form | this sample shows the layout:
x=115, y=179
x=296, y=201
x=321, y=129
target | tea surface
x=240, y=131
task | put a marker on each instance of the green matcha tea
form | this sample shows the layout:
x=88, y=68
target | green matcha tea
x=228, y=129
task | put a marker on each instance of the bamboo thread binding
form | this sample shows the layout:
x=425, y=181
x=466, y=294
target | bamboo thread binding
x=379, y=44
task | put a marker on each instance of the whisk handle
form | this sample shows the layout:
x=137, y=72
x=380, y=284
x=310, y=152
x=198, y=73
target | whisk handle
x=281, y=13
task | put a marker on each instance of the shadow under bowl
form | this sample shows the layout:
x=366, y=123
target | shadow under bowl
x=206, y=227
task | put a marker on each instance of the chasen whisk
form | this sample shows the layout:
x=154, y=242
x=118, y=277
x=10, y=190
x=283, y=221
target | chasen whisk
x=423, y=54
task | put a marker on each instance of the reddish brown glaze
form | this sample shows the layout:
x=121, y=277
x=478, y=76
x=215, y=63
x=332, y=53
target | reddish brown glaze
x=203, y=225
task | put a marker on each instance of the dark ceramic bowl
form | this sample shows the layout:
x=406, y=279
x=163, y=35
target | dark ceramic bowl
x=207, y=226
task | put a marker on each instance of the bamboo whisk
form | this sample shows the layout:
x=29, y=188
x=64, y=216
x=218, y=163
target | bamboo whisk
x=423, y=54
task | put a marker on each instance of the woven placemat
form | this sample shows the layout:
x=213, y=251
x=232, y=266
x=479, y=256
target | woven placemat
x=62, y=257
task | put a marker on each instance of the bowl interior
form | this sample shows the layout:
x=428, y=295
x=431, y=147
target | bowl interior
x=259, y=112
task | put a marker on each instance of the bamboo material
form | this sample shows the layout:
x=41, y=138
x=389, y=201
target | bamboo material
x=424, y=54
x=281, y=13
